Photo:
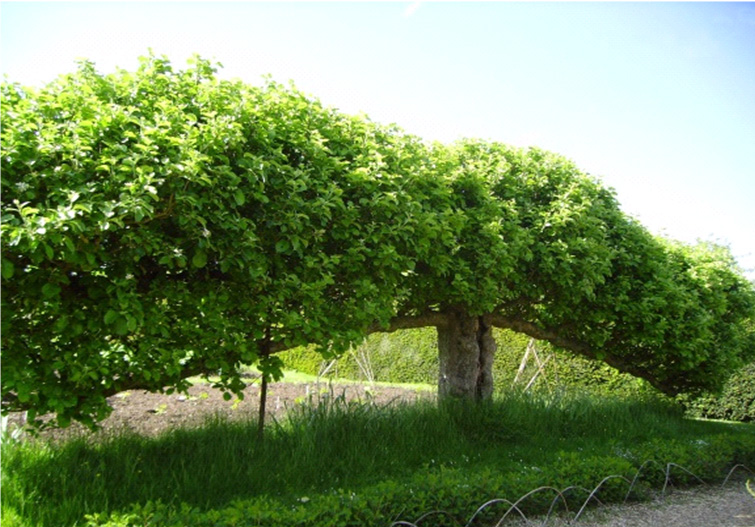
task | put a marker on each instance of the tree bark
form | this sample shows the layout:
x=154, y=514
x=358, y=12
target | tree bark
x=466, y=350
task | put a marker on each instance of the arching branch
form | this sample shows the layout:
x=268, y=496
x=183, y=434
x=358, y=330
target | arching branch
x=576, y=346
x=537, y=332
x=424, y=320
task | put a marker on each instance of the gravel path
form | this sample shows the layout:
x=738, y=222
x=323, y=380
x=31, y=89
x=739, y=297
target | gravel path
x=731, y=506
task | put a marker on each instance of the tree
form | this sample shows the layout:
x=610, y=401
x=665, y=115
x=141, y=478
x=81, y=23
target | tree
x=547, y=251
x=162, y=224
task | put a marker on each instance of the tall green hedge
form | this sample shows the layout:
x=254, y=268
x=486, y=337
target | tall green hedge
x=405, y=356
x=411, y=356
x=736, y=402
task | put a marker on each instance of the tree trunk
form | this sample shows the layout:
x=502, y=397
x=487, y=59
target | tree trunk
x=262, y=410
x=466, y=348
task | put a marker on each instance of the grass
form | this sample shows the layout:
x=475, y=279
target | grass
x=301, y=377
x=323, y=447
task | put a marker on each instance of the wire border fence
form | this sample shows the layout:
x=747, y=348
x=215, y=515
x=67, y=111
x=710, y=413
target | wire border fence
x=515, y=509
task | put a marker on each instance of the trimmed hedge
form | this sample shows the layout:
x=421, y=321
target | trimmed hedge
x=412, y=356
x=736, y=402
x=405, y=356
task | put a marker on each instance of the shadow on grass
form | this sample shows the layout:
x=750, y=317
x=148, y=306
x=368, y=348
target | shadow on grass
x=319, y=447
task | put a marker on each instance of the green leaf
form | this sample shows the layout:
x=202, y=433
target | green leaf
x=121, y=326
x=23, y=393
x=50, y=290
x=8, y=269
x=111, y=316
x=239, y=197
x=200, y=259
x=282, y=246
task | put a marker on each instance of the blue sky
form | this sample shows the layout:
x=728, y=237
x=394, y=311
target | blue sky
x=657, y=99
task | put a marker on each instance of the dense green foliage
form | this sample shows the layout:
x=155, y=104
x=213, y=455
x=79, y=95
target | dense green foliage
x=159, y=224
x=596, y=282
x=736, y=401
x=314, y=469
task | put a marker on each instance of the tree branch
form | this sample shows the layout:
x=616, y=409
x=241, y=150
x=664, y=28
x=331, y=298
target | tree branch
x=424, y=320
x=537, y=332
x=576, y=346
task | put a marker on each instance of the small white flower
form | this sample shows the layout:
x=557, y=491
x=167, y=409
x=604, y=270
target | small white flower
x=22, y=186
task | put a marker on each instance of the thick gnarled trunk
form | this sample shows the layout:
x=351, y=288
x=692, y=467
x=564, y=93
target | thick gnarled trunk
x=466, y=349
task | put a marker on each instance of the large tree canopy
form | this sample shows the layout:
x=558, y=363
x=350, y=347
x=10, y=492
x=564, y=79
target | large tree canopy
x=160, y=224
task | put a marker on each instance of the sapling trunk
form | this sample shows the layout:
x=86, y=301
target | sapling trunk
x=262, y=410
x=264, y=355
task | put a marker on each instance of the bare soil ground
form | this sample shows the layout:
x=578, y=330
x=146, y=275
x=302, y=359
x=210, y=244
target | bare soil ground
x=152, y=413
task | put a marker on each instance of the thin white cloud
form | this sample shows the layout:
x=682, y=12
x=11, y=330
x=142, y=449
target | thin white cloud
x=411, y=9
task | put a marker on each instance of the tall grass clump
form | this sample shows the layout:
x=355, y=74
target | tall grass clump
x=326, y=446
